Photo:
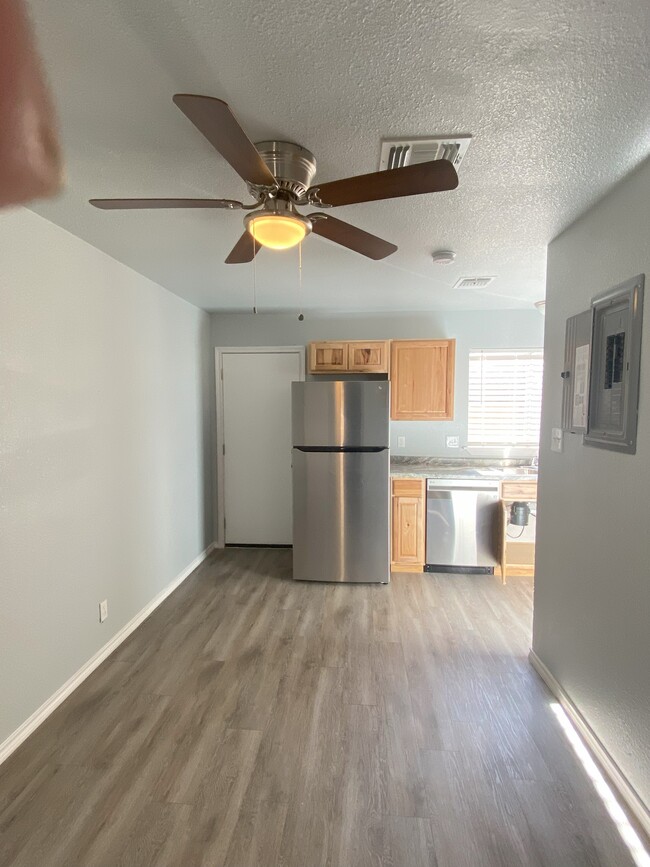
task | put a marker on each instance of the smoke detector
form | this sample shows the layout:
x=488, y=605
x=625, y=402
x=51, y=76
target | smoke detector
x=443, y=257
x=397, y=153
x=473, y=282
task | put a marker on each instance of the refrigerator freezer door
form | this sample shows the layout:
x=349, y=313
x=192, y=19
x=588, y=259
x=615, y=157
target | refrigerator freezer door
x=340, y=516
x=350, y=414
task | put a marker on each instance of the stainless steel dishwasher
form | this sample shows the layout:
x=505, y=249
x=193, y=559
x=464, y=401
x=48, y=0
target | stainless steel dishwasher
x=462, y=525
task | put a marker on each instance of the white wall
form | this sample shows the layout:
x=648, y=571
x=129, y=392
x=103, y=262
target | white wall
x=476, y=330
x=592, y=586
x=105, y=384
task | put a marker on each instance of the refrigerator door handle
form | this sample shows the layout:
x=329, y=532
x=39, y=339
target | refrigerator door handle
x=341, y=449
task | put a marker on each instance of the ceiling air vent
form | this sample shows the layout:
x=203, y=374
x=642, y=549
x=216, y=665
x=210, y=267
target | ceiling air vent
x=397, y=153
x=473, y=282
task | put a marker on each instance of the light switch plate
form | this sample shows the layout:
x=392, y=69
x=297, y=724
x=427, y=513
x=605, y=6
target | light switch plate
x=453, y=442
x=557, y=439
x=401, y=442
x=103, y=610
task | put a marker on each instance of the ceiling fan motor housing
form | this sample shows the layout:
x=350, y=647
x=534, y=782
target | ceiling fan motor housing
x=293, y=166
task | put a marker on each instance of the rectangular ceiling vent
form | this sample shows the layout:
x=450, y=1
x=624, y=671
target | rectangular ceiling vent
x=397, y=153
x=473, y=282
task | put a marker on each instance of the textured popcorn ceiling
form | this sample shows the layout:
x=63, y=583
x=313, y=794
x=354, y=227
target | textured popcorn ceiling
x=555, y=93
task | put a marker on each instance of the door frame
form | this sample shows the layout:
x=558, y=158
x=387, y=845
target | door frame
x=219, y=352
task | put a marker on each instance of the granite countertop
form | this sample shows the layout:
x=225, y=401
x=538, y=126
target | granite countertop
x=439, y=468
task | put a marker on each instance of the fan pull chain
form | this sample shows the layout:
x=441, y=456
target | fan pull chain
x=300, y=313
x=254, y=277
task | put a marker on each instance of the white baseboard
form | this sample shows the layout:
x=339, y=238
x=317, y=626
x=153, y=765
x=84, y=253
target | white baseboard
x=609, y=767
x=39, y=716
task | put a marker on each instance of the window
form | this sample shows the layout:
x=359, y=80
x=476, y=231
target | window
x=505, y=397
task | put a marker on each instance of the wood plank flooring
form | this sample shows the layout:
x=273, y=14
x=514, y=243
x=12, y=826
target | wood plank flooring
x=253, y=721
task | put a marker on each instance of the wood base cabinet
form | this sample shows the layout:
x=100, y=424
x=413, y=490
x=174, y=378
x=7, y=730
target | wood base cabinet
x=517, y=556
x=408, y=509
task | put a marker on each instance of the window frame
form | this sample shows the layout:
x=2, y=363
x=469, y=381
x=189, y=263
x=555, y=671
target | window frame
x=534, y=353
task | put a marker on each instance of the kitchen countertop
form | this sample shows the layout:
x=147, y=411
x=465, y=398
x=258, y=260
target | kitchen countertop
x=402, y=470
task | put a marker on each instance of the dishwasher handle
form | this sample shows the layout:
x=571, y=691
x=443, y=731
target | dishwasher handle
x=434, y=485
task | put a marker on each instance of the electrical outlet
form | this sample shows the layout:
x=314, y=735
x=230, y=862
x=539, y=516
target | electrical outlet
x=103, y=610
x=453, y=442
x=401, y=442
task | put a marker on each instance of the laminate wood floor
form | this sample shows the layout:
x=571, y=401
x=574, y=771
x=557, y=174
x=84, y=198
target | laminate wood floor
x=254, y=721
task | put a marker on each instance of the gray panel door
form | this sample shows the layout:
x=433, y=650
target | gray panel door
x=341, y=516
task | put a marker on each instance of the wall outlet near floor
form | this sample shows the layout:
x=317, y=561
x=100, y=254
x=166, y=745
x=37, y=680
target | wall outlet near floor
x=401, y=442
x=453, y=442
x=103, y=610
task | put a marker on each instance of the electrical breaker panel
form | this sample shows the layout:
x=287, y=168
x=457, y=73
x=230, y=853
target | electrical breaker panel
x=615, y=367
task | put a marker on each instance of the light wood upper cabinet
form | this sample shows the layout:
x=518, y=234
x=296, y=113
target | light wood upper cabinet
x=422, y=379
x=328, y=357
x=349, y=356
x=407, y=534
x=368, y=356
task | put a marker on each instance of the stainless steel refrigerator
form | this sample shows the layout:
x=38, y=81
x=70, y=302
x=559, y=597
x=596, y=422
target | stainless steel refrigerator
x=341, y=481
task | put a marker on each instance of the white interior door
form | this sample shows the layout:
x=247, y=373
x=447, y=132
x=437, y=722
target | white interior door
x=256, y=408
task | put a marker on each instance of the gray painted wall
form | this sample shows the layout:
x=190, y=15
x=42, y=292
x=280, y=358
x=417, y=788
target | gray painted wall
x=592, y=586
x=105, y=400
x=475, y=330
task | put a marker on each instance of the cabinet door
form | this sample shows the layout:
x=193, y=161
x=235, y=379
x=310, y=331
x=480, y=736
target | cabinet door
x=408, y=525
x=422, y=379
x=368, y=356
x=328, y=357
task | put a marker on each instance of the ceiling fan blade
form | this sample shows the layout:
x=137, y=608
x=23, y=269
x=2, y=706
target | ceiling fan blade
x=133, y=204
x=433, y=177
x=351, y=237
x=244, y=250
x=215, y=120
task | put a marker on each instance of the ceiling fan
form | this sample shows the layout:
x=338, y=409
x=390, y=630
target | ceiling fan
x=279, y=175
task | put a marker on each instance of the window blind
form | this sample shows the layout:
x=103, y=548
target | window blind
x=505, y=397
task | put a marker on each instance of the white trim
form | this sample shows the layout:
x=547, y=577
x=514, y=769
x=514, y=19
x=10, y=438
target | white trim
x=39, y=716
x=219, y=352
x=610, y=768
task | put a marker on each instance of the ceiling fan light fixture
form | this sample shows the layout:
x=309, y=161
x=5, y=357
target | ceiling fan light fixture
x=278, y=231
